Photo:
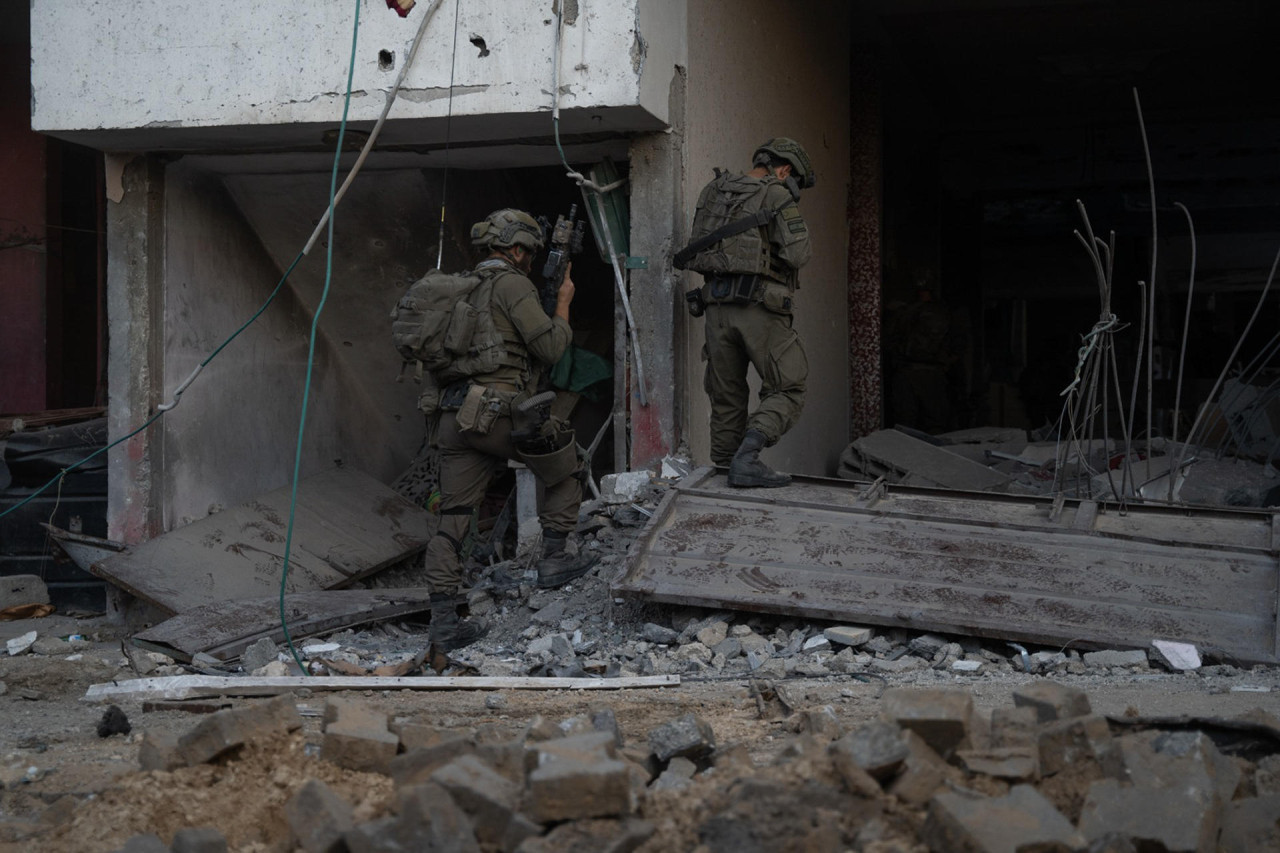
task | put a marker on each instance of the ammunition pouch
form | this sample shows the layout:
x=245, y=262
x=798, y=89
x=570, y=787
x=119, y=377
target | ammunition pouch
x=551, y=466
x=741, y=289
x=697, y=305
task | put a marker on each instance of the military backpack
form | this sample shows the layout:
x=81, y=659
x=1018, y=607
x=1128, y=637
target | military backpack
x=445, y=322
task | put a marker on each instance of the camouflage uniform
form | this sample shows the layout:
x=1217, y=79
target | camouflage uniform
x=468, y=456
x=750, y=322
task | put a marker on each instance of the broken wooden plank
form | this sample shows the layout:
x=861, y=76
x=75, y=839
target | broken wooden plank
x=198, y=686
x=347, y=525
x=224, y=630
x=979, y=564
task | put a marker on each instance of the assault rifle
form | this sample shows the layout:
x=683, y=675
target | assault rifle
x=564, y=240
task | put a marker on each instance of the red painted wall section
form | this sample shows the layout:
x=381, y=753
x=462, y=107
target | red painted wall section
x=22, y=224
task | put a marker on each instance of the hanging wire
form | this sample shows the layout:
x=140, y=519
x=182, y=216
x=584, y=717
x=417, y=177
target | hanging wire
x=448, y=134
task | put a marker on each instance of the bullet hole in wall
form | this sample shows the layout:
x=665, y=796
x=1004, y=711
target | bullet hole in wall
x=478, y=41
x=386, y=60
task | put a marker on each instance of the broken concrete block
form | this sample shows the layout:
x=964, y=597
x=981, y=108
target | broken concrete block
x=418, y=735
x=417, y=765
x=20, y=645
x=1267, y=776
x=203, y=839
x=1015, y=764
x=159, y=751
x=226, y=730
x=1116, y=657
x=856, y=780
x=487, y=797
x=1177, y=819
x=431, y=820
x=713, y=634
x=17, y=590
x=922, y=773
x=623, y=487
x=1187, y=759
x=356, y=737
x=689, y=736
x=1180, y=657
x=1014, y=726
x=1066, y=742
x=822, y=723
x=1020, y=820
x=967, y=667
x=592, y=836
x=877, y=748
x=926, y=645
x=663, y=636
x=677, y=776
x=940, y=717
x=506, y=758
x=1052, y=701
x=145, y=843
x=1251, y=824
x=318, y=817
x=258, y=654
x=570, y=790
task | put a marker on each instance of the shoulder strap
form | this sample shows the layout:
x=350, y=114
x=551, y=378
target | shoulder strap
x=756, y=220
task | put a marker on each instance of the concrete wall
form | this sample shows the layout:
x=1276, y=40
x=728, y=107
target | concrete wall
x=225, y=64
x=755, y=73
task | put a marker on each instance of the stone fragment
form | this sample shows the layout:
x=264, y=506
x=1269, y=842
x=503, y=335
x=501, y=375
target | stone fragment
x=418, y=735
x=967, y=667
x=623, y=487
x=822, y=723
x=159, y=751
x=876, y=747
x=429, y=820
x=713, y=634
x=679, y=773
x=17, y=590
x=1016, y=764
x=570, y=790
x=689, y=736
x=856, y=780
x=731, y=647
x=753, y=643
x=818, y=643
x=926, y=645
x=314, y=650
x=1267, y=776
x=356, y=737
x=1014, y=726
x=487, y=797
x=551, y=614
x=1251, y=824
x=940, y=717
x=1176, y=819
x=1180, y=657
x=52, y=647
x=318, y=817
x=275, y=669
x=1020, y=820
x=1064, y=743
x=922, y=774
x=417, y=765
x=592, y=836
x=204, y=839
x=21, y=644
x=1116, y=657
x=659, y=634
x=694, y=651
x=1052, y=701
x=1188, y=759
x=906, y=663
x=258, y=654
x=226, y=730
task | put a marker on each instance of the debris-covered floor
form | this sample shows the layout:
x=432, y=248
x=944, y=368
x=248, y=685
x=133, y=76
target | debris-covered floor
x=782, y=734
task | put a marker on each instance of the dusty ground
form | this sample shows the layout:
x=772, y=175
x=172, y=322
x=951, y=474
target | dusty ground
x=50, y=750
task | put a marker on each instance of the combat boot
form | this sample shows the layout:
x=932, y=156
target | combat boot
x=557, y=567
x=746, y=470
x=448, y=632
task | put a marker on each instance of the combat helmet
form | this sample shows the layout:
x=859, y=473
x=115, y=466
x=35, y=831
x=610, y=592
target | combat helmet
x=508, y=227
x=785, y=148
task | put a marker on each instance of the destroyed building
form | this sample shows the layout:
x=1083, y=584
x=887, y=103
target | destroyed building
x=1041, y=416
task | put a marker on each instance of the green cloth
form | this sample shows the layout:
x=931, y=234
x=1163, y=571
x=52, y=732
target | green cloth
x=578, y=370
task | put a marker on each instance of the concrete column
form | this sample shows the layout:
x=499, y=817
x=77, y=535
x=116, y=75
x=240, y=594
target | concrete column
x=657, y=220
x=135, y=294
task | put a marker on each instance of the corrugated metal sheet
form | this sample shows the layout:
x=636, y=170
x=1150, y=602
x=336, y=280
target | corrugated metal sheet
x=1018, y=568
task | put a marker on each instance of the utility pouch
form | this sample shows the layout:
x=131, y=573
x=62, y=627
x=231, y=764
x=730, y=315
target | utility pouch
x=697, y=305
x=742, y=289
x=491, y=408
x=777, y=299
x=469, y=413
x=462, y=328
x=429, y=399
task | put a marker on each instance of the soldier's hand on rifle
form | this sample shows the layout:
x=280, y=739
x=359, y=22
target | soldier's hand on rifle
x=564, y=295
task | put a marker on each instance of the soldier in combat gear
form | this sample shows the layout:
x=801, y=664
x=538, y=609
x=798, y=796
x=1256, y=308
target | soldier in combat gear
x=475, y=423
x=749, y=242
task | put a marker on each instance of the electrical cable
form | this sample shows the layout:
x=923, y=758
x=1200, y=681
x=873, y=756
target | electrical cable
x=448, y=135
x=311, y=343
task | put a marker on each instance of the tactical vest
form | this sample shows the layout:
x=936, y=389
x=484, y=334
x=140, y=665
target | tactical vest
x=446, y=323
x=729, y=198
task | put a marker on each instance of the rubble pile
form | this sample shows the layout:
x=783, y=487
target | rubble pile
x=932, y=772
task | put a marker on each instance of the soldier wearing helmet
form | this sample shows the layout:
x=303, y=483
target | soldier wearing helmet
x=749, y=242
x=474, y=428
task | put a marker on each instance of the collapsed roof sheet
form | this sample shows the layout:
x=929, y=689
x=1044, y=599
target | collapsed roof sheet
x=1019, y=568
